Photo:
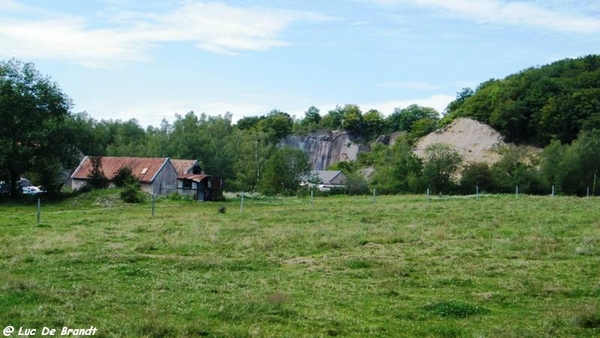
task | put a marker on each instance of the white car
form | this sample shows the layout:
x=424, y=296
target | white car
x=32, y=190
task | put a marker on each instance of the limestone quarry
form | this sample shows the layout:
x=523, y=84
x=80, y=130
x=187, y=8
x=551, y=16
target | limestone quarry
x=473, y=140
x=326, y=148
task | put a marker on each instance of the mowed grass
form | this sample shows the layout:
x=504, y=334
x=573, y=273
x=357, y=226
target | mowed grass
x=344, y=266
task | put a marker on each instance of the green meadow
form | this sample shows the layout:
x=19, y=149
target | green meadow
x=344, y=266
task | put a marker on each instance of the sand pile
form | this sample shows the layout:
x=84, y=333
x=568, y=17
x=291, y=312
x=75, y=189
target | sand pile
x=474, y=141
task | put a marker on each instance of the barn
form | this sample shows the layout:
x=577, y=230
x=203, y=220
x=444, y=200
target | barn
x=157, y=176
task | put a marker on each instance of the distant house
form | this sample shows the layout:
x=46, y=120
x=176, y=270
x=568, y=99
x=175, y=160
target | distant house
x=200, y=186
x=156, y=175
x=329, y=177
x=325, y=179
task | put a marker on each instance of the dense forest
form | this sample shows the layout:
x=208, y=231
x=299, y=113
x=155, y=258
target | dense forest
x=537, y=105
x=556, y=106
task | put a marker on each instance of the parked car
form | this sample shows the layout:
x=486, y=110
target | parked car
x=32, y=190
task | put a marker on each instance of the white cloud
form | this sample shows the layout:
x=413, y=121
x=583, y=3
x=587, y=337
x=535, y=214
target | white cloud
x=129, y=36
x=520, y=13
x=10, y=5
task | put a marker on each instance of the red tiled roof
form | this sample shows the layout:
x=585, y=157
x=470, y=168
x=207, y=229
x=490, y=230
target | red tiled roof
x=182, y=166
x=111, y=165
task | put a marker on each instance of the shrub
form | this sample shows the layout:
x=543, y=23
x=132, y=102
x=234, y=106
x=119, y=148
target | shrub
x=476, y=175
x=356, y=184
x=132, y=194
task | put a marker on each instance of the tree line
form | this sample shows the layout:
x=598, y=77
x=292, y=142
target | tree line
x=537, y=105
x=553, y=106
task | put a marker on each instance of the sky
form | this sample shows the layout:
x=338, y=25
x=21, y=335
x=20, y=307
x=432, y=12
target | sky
x=152, y=59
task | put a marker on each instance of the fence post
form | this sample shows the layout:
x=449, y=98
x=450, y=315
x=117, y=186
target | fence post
x=588, y=191
x=552, y=191
x=477, y=191
x=427, y=195
x=312, y=196
x=39, y=210
x=153, y=200
x=242, y=203
x=517, y=192
x=594, y=186
x=374, y=194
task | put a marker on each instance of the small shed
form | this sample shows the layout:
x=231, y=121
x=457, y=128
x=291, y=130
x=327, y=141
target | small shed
x=200, y=186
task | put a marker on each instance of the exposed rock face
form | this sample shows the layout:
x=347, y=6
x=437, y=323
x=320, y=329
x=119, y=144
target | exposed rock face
x=326, y=148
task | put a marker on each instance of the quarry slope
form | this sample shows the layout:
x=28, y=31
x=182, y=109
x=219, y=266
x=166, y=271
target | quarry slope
x=474, y=141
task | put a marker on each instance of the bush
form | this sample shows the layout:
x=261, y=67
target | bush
x=476, y=175
x=132, y=194
x=356, y=184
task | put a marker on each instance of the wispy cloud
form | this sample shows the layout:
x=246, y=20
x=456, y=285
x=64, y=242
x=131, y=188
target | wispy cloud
x=213, y=27
x=520, y=13
x=10, y=5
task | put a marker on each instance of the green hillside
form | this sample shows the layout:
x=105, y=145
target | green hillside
x=537, y=105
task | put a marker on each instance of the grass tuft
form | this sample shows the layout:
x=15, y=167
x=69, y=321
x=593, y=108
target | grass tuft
x=359, y=264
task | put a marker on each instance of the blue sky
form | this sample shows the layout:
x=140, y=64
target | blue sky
x=151, y=59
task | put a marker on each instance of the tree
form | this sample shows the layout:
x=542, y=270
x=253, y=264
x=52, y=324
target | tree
x=356, y=184
x=353, y=119
x=441, y=165
x=517, y=167
x=333, y=119
x=397, y=169
x=284, y=171
x=404, y=119
x=581, y=163
x=312, y=116
x=461, y=97
x=374, y=124
x=476, y=175
x=277, y=124
x=125, y=177
x=253, y=151
x=97, y=179
x=33, y=136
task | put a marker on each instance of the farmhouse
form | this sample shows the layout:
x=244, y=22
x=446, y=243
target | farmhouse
x=156, y=175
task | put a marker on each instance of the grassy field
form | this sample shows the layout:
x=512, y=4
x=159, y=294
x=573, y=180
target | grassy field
x=497, y=267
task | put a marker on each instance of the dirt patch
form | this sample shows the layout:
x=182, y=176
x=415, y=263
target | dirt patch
x=474, y=141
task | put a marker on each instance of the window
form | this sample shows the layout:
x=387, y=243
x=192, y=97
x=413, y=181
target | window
x=187, y=184
x=144, y=171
